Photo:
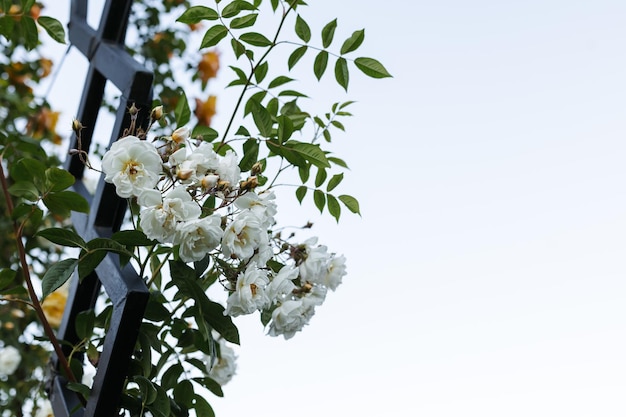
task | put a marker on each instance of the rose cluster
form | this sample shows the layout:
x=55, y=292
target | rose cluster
x=172, y=178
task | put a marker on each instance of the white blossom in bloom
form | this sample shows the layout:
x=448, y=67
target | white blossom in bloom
x=45, y=409
x=206, y=158
x=242, y=236
x=10, y=359
x=281, y=285
x=249, y=294
x=132, y=165
x=290, y=317
x=335, y=271
x=160, y=218
x=263, y=252
x=224, y=368
x=316, y=295
x=198, y=237
x=314, y=268
x=262, y=205
x=181, y=134
x=192, y=167
x=228, y=168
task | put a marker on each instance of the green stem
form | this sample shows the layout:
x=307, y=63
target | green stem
x=248, y=81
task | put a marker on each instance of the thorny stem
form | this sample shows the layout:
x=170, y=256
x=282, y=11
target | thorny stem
x=249, y=80
x=31, y=290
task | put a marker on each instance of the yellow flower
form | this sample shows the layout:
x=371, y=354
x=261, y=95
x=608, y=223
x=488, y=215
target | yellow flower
x=54, y=305
x=205, y=110
x=208, y=66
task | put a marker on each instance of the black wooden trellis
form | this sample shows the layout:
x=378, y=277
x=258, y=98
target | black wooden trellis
x=104, y=48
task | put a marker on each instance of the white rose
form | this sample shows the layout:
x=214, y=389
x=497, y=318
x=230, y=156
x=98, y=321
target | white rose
x=198, y=237
x=281, y=285
x=290, y=317
x=160, y=220
x=262, y=205
x=45, y=409
x=224, y=368
x=249, y=294
x=10, y=359
x=131, y=165
x=242, y=236
x=335, y=272
x=228, y=168
x=314, y=268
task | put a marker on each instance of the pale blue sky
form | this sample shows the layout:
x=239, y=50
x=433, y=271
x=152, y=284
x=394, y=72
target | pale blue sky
x=486, y=276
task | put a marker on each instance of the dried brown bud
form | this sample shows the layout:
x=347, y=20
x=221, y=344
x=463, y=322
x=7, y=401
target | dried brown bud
x=156, y=113
x=257, y=168
x=77, y=126
x=249, y=184
x=133, y=110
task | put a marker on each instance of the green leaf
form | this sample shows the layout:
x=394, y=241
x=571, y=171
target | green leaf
x=328, y=32
x=334, y=182
x=250, y=154
x=63, y=237
x=238, y=47
x=320, y=64
x=208, y=133
x=320, y=199
x=62, y=202
x=184, y=278
x=311, y=153
x=280, y=80
x=341, y=73
x=260, y=72
x=300, y=193
x=107, y=245
x=371, y=67
x=132, y=238
x=338, y=161
x=58, y=179
x=80, y=388
x=255, y=39
x=304, y=172
x=31, y=35
x=195, y=14
x=234, y=8
x=243, y=21
x=291, y=93
x=182, y=111
x=170, y=377
x=88, y=262
x=333, y=207
x=320, y=177
x=285, y=128
x=31, y=170
x=203, y=408
x=57, y=275
x=353, y=42
x=302, y=29
x=53, y=27
x=351, y=203
x=295, y=56
x=210, y=384
x=84, y=324
x=213, y=36
x=24, y=189
x=184, y=394
x=262, y=118
x=7, y=276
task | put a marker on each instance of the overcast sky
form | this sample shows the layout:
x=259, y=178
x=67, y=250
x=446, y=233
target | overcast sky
x=486, y=275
